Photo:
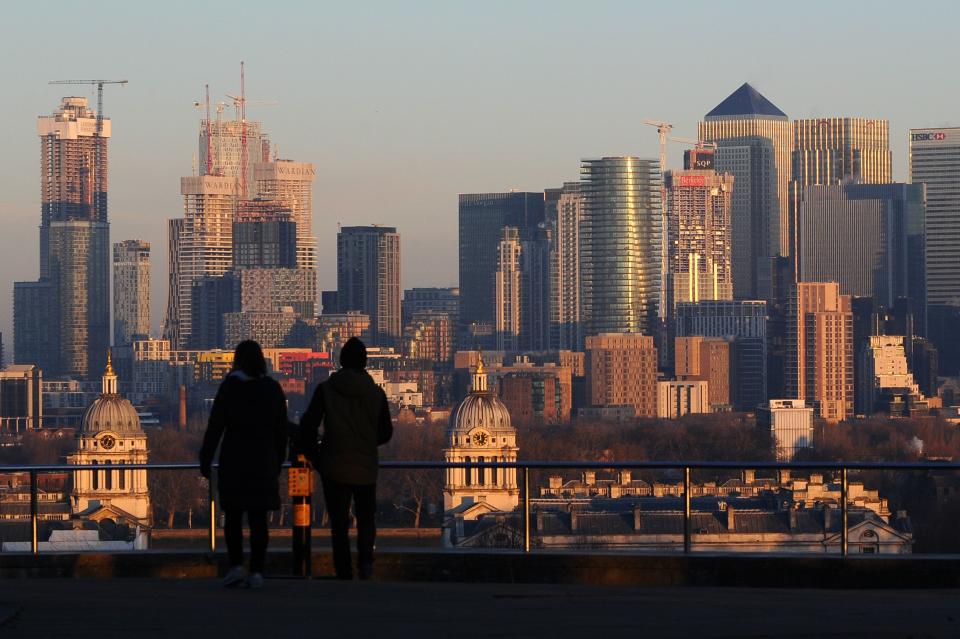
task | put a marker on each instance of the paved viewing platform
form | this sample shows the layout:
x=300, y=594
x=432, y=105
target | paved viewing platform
x=425, y=592
x=288, y=607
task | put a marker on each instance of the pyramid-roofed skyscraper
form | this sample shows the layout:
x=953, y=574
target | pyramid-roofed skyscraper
x=752, y=133
x=746, y=101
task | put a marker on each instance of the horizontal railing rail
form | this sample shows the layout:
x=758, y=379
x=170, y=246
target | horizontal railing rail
x=543, y=465
x=525, y=467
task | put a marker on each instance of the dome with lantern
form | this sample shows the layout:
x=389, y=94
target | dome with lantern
x=481, y=408
x=111, y=411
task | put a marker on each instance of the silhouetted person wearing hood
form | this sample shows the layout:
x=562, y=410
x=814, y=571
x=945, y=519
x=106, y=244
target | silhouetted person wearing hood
x=356, y=420
x=250, y=415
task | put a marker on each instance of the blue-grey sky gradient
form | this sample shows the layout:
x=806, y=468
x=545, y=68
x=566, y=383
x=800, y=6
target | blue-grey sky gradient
x=403, y=105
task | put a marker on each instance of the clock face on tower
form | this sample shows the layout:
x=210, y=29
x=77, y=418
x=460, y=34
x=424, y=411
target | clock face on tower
x=107, y=442
x=480, y=438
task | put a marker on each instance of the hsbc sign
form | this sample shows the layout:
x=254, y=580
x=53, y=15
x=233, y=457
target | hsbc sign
x=936, y=136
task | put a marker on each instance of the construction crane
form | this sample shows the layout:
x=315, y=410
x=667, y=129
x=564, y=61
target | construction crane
x=214, y=166
x=663, y=130
x=100, y=198
x=206, y=105
x=700, y=144
x=240, y=104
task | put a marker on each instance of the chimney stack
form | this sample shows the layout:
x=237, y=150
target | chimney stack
x=637, y=519
x=731, y=521
x=749, y=476
x=589, y=477
x=182, y=421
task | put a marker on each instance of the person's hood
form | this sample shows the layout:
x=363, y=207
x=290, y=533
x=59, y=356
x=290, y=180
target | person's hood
x=352, y=383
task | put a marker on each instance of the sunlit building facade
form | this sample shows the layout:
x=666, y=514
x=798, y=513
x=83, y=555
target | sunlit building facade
x=819, y=357
x=699, y=249
x=620, y=245
x=746, y=113
x=831, y=151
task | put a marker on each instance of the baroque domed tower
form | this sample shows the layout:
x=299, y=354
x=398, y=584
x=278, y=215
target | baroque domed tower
x=110, y=436
x=480, y=431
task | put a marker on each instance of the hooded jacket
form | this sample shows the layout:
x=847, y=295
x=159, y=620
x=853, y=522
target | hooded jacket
x=249, y=415
x=356, y=420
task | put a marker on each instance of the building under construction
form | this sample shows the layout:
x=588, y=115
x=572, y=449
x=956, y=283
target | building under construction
x=62, y=321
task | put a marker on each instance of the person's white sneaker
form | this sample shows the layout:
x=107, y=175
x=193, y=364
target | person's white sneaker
x=255, y=581
x=234, y=577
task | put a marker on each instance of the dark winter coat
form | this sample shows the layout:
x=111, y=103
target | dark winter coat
x=250, y=415
x=356, y=419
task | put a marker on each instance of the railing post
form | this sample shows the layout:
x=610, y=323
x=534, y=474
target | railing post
x=843, y=512
x=526, y=509
x=686, y=510
x=34, y=514
x=300, y=489
x=213, y=510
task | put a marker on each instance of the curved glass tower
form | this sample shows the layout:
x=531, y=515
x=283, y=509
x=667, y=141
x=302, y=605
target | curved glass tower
x=620, y=245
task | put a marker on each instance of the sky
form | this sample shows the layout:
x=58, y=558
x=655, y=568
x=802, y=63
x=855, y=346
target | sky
x=403, y=105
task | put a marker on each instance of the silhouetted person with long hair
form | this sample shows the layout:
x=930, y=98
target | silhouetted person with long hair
x=250, y=415
x=356, y=420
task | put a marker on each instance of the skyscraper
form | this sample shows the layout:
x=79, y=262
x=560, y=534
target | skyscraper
x=227, y=146
x=202, y=245
x=291, y=184
x=368, y=278
x=746, y=113
x=508, y=290
x=935, y=162
x=131, y=291
x=869, y=238
x=482, y=217
x=565, y=284
x=820, y=349
x=835, y=150
x=698, y=237
x=754, y=215
x=536, y=282
x=264, y=235
x=72, y=296
x=620, y=245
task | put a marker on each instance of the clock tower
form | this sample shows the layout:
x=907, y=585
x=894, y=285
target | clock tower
x=111, y=437
x=480, y=431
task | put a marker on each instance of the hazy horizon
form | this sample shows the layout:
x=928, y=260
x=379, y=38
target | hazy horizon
x=401, y=107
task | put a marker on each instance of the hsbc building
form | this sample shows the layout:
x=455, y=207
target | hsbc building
x=935, y=161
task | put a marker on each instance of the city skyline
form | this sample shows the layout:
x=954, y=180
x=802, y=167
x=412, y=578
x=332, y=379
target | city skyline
x=427, y=126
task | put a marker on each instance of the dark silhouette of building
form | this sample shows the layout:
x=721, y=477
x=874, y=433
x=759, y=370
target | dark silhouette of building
x=482, y=217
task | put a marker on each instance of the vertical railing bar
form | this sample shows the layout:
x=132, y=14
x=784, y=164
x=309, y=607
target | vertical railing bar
x=843, y=512
x=526, y=509
x=34, y=514
x=213, y=511
x=686, y=510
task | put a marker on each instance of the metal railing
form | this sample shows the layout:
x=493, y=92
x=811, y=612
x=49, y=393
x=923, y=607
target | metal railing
x=524, y=468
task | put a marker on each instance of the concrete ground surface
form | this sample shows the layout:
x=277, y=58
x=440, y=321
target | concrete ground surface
x=286, y=607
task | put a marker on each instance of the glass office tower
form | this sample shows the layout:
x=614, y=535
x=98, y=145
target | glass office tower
x=620, y=245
